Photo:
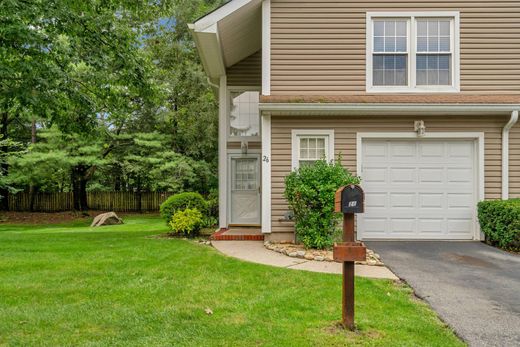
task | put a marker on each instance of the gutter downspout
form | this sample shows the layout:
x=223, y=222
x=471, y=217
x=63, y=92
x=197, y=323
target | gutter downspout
x=505, y=154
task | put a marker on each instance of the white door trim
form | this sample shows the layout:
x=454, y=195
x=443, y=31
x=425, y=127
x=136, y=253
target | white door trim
x=238, y=154
x=477, y=136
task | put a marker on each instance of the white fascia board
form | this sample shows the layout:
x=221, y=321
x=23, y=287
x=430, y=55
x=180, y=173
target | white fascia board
x=219, y=14
x=210, y=52
x=381, y=108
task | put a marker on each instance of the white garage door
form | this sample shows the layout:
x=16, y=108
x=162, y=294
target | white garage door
x=419, y=189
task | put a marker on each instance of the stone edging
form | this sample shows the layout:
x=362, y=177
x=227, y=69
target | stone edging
x=298, y=251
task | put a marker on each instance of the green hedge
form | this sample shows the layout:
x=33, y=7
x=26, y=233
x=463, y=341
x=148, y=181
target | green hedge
x=500, y=222
x=180, y=202
x=310, y=192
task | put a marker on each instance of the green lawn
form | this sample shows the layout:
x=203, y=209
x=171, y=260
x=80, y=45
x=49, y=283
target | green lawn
x=70, y=285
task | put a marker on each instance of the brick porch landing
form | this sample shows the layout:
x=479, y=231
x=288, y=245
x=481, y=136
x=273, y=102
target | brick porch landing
x=238, y=234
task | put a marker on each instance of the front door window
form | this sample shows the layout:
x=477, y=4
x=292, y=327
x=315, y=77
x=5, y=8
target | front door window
x=245, y=192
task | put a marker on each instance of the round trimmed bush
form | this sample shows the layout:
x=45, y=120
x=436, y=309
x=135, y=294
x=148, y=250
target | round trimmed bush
x=182, y=201
x=187, y=222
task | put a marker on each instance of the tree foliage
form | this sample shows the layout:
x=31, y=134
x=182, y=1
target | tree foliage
x=112, y=92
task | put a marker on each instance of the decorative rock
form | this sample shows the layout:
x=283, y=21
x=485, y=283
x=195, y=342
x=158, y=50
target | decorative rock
x=301, y=254
x=109, y=218
x=299, y=251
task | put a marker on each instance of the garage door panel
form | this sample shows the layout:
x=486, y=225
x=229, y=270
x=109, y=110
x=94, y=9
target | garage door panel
x=419, y=189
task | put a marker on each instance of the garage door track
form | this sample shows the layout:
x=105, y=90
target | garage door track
x=473, y=287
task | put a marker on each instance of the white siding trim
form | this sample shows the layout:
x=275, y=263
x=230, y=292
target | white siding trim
x=266, y=173
x=412, y=88
x=266, y=47
x=219, y=14
x=222, y=154
x=480, y=144
x=295, y=147
x=505, y=154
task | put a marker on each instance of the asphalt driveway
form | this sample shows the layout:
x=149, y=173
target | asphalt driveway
x=473, y=287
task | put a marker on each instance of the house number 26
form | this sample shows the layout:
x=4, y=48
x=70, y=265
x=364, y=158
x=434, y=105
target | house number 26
x=266, y=159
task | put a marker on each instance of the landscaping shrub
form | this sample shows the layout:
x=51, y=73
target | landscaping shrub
x=310, y=192
x=187, y=222
x=500, y=222
x=182, y=201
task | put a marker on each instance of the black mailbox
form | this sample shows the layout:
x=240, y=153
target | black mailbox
x=350, y=199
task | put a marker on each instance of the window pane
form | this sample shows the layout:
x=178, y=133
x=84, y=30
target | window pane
x=392, y=70
x=379, y=44
x=389, y=28
x=400, y=44
x=422, y=28
x=244, y=117
x=434, y=69
x=433, y=35
x=379, y=28
x=390, y=44
x=444, y=44
x=379, y=62
x=390, y=35
x=444, y=28
x=400, y=29
x=422, y=44
x=422, y=77
x=433, y=44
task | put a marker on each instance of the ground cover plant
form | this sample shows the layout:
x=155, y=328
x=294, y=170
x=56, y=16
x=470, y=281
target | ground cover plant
x=122, y=285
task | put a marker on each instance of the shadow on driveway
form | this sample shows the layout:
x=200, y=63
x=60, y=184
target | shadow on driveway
x=473, y=287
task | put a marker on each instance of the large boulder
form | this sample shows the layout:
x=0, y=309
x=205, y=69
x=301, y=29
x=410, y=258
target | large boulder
x=109, y=218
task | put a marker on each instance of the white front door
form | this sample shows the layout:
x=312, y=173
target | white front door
x=419, y=189
x=245, y=199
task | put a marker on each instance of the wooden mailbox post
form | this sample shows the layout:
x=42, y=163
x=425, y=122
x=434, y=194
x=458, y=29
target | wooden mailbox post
x=349, y=201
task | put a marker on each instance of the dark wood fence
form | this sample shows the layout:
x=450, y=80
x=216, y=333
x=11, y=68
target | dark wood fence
x=103, y=201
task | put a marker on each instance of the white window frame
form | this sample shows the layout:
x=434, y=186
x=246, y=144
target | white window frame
x=295, y=143
x=240, y=89
x=412, y=17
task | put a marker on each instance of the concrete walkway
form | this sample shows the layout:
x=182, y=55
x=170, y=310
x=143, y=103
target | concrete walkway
x=255, y=252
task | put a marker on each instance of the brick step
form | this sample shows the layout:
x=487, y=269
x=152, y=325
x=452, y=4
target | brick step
x=237, y=235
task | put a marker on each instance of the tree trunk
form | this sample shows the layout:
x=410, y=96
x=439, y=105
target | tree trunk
x=79, y=187
x=4, y=167
x=139, y=204
x=32, y=188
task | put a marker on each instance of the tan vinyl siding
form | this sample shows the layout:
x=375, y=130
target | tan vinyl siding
x=247, y=73
x=318, y=46
x=514, y=162
x=345, y=134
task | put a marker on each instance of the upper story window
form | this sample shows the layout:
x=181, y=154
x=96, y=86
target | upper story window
x=244, y=114
x=413, y=52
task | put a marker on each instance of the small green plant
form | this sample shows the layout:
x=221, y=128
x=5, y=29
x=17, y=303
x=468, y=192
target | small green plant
x=310, y=192
x=500, y=222
x=182, y=201
x=187, y=222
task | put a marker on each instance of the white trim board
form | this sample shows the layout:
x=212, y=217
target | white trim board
x=266, y=47
x=388, y=109
x=266, y=172
x=219, y=14
x=480, y=158
x=412, y=51
x=222, y=153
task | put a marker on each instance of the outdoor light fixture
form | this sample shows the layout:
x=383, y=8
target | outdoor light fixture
x=244, y=146
x=420, y=128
